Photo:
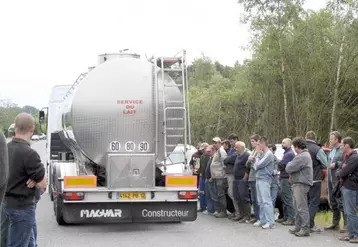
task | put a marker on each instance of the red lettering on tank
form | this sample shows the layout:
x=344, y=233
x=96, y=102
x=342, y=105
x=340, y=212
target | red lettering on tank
x=129, y=102
x=129, y=106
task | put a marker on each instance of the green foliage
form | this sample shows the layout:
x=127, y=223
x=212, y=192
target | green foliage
x=8, y=112
x=295, y=56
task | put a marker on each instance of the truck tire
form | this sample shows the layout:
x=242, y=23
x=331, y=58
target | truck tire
x=58, y=207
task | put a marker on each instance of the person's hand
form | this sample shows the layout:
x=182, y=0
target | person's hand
x=246, y=177
x=333, y=165
x=258, y=149
x=30, y=183
x=251, y=158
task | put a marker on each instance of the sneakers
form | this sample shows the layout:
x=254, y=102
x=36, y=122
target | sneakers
x=347, y=239
x=206, y=212
x=354, y=240
x=288, y=223
x=302, y=233
x=315, y=229
x=280, y=220
x=268, y=226
x=244, y=219
x=252, y=221
x=237, y=218
x=344, y=238
x=294, y=230
x=332, y=227
x=221, y=215
x=257, y=224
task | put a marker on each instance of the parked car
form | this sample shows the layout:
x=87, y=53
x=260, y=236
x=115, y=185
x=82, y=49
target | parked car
x=178, y=158
x=35, y=138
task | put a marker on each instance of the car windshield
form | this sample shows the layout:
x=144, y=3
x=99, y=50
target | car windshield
x=178, y=156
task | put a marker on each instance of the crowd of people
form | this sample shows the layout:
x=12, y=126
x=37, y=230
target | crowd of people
x=252, y=180
x=21, y=185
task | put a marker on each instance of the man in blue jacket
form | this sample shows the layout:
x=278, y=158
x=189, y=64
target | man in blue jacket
x=264, y=166
x=286, y=191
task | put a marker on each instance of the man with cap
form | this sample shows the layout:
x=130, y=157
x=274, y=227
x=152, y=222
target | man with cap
x=218, y=176
x=202, y=162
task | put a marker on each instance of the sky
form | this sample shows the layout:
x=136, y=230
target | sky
x=46, y=43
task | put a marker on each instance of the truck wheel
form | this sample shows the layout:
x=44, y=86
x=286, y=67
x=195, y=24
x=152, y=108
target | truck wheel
x=58, y=211
x=51, y=193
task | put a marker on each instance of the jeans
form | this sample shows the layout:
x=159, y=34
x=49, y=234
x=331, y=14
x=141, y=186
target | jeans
x=4, y=227
x=287, y=201
x=265, y=202
x=300, y=196
x=217, y=191
x=33, y=239
x=253, y=195
x=314, y=199
x=336, y=204
x=209, y=199
x=202, y=193
x=274, y=191
x=241, y=191
x=21, y=222
x=230, y=192
x=349, y=205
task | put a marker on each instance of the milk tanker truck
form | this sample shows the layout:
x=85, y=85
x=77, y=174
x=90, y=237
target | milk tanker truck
x=108, y=138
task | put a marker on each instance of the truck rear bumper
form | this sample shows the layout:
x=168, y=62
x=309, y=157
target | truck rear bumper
x=83, y=213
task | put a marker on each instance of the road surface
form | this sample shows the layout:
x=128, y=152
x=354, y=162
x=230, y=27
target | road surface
x=206, y=231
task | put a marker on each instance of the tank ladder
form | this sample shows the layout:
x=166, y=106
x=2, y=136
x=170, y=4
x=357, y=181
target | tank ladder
x=176, y=118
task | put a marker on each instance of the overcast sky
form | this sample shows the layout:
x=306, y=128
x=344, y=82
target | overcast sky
x=45, y=43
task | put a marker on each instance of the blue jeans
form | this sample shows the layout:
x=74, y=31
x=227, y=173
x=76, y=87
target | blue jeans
x=264, y=200
x=274, y=190
x=241, y=191
x=217, y=192
x=253, y=195
x=314, y=199
x=33, y=238
x=287, y=200
x=4, y=227
x=349, y=207
x=202, y=193
x=21, y=222
x=209, y=199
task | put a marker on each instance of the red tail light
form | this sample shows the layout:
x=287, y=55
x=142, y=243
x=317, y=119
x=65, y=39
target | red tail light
x=73, y=196
x=188, y=195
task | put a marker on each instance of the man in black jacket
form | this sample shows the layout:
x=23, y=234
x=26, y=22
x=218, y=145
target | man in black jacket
x=4, y=171
x=25, y=173
x=229, y=163
x=203, y=161
x=319, y=162
x=348, y=174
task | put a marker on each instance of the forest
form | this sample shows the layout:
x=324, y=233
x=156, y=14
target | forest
x=8, y=112
x=302, y=76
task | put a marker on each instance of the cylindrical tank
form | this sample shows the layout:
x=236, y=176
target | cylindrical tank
x=113, y=109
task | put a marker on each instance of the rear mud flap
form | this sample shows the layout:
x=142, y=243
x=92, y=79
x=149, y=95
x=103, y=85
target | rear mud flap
x=82, y=213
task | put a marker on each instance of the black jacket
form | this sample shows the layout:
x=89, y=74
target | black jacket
x=348, y=173
x=24, y=164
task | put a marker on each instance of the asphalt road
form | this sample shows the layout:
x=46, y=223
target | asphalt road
x=206, y=231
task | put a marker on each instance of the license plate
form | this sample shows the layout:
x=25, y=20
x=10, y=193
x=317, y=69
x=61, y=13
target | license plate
x=132, y=195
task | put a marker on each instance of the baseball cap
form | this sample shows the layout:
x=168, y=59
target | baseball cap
x=216, y=139
x=204, y=146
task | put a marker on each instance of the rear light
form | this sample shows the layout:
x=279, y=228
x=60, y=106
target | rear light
x=73, y=196
x=188, y=195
